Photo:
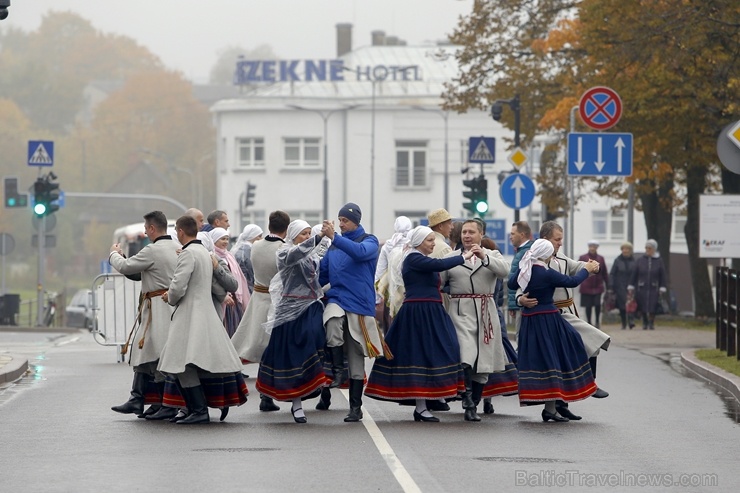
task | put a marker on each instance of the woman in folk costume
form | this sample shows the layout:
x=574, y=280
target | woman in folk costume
x=242, y=251
x=401, y=228
x=291, y=368
x=426, y=363
x=553, y=363
x=235, y=302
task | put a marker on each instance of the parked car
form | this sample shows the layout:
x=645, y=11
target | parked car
x=79, y=312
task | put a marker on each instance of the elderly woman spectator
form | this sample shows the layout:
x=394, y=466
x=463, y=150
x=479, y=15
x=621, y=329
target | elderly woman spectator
x=619, y=279
x=647, y=283
x=242, y=251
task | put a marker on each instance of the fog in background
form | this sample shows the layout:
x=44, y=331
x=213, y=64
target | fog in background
x=187, y=35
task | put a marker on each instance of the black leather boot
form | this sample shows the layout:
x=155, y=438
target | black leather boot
x=164, y=412
x=197, y=405
x=471, y=413
x=154, y=408
x=267, y=404
x=324, y=400
x=135, y=403
x=600, y=393
x=467, y=403
x=487, y=406
x=355, y=401
x=337, y=366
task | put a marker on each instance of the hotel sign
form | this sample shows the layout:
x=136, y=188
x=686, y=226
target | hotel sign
x=255, y=71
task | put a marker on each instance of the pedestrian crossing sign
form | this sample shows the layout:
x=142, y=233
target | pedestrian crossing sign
x=40, y=153
x=481, y=150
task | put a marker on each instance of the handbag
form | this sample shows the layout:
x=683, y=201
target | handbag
x=631, y=306
x=663, y=308
x=610, y=301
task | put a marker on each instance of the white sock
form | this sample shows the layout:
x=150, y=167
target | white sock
x=421, y=408
x=298, y=409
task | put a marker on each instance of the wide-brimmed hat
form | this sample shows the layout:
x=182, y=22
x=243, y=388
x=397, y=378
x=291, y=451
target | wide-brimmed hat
x=438, y=216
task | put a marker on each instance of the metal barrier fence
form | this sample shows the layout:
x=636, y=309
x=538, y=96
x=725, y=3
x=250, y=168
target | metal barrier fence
x=115, y=300
x=727, y=310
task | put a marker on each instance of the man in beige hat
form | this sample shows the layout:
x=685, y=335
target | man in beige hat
x=440, y=222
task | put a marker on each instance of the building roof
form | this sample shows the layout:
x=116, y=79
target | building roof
x=434, y=64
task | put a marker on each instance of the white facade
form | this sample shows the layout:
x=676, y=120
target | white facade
x=273, y=137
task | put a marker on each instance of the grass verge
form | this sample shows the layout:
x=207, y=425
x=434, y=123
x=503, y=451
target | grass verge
x=719, y=358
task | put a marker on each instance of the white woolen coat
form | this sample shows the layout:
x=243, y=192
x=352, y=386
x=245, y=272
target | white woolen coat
x=250, y=339
x=156, y=264
x=593, y=338
x=466, y=313
x=197, y=336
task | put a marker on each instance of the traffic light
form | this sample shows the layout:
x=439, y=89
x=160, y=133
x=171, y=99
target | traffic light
x=249, y=197
x=12, y=197
x=478, y=195
x=496, y=109
x=4, y=4
x=46, y=194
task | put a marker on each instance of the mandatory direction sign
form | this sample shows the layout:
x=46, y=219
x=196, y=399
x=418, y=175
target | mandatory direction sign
x=600, y=108
x=600, y=154
x=517, y=191
x=481, y=150
x=40, y=153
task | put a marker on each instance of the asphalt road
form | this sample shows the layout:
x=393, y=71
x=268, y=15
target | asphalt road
x=57, y=434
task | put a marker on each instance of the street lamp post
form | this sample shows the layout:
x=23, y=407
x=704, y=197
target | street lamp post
x=496, y=108
x=325, y=117
x=445, y=116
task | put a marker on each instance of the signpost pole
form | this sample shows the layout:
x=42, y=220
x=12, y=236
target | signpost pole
x=40, y=285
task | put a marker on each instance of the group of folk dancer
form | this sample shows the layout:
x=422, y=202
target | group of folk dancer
x=311, y=321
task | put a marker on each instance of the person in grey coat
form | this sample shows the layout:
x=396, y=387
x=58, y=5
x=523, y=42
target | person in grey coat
x=647, y=283
x=197, y=345
x=156, y=264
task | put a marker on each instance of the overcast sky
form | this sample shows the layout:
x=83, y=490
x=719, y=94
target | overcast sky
x=187, y=34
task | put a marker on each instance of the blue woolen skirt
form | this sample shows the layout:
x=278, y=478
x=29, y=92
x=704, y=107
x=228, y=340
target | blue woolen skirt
x=292, y=364
x=553, y=363
x=232, y=318
x=426, y=356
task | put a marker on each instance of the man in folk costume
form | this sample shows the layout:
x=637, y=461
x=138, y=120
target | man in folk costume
x=250, y=339
x=197, y=345
x=593, y=339
x=474, y=314
x=349, y=317
x=440, y=222
x=155, y=263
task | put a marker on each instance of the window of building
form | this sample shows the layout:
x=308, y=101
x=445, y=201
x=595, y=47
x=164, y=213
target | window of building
x=411, y=163
x=679, y=223
x=415, y=216
x=608, y=225
x=311, y=217
x=250, y=152
x=301, y=152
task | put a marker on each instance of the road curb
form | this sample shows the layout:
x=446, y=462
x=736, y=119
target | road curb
x=728, y=381
x=13, y=369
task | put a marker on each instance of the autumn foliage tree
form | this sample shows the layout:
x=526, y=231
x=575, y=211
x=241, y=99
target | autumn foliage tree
x=674, y=63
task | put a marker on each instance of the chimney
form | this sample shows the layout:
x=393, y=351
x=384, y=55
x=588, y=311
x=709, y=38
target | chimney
x=378, y=38
x=391, y=41
x=344, y=38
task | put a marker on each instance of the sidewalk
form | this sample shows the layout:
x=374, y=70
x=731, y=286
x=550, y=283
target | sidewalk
x=13, y=366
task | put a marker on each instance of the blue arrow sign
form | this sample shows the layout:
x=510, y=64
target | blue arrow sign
x=600, y=154
x=481, y=150
x=517, y=191
x=40, y=153
x=496, y=230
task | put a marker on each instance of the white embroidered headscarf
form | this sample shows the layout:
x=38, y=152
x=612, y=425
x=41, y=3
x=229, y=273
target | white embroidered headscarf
x=249, y=233
x=206, y=240
x=294, y=229
x=416, y=236
x=540, y=251
x=401, y=227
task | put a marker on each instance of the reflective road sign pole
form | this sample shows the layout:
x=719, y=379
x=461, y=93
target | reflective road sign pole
x=40, y=286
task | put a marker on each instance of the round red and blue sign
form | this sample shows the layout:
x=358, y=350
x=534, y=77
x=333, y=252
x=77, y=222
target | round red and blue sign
x=600, y=108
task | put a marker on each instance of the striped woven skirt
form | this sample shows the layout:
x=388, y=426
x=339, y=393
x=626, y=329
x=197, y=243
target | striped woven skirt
x=292, y=364
x=426, y=356
x=553, y=363
x=222, y=390
x=504, y=382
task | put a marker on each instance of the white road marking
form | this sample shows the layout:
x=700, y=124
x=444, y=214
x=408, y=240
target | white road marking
x=391, y=459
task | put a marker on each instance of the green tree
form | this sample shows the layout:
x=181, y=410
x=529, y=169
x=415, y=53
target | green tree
x=222, y=71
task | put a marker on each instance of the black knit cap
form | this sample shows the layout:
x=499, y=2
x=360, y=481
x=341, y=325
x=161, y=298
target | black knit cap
x=352, y=212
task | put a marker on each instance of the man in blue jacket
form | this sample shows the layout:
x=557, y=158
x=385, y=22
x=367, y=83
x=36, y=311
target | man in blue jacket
x=349, y=317
x=521, y=239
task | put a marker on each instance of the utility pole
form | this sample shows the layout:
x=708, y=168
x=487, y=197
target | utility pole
x=496, y=110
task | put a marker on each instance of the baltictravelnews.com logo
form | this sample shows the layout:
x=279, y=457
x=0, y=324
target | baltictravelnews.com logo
x=713, y=245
